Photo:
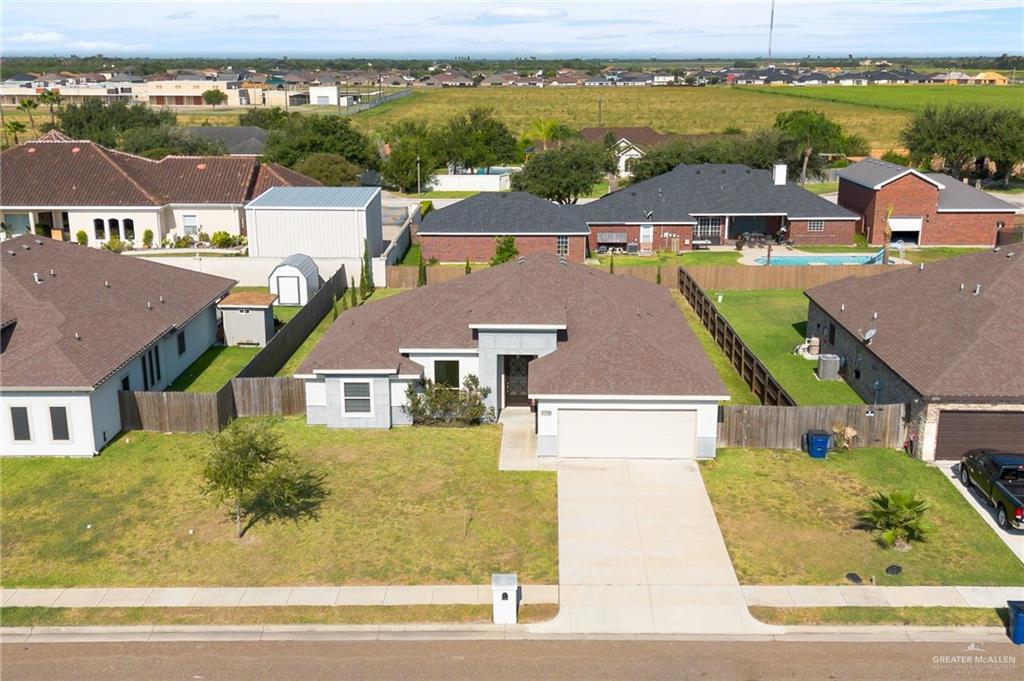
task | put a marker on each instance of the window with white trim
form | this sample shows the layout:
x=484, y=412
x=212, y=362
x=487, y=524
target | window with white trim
x=708, y=228
x=815, y=225
x=19, y=424
x=356, y=398
x=190, y=224
x=59, y=424
x=562, y=246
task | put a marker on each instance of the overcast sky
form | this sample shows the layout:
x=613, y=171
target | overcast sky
x=503, y=29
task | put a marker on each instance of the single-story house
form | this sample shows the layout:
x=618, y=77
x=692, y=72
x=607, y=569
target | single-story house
x=81, y=324
x=630, y=143
x=295, y=280
x=469, y=229
x=943, y=338
x=608, y=364
x=928, y=209
x=65, y=186
x=240, y=140
x=322, y=222
x=713, y=204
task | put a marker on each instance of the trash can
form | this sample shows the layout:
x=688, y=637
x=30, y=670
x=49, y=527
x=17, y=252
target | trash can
x=816, y=443
x=1016, y=609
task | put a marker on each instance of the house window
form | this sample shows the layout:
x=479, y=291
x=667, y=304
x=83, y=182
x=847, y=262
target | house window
x=115, y=228
x=126, y=383
x=243, y=310
x=190, y=224
x=708, y=228
x=831, y=334
x=816, y=226
x=99, y=229
x=357, y=398
x=145, y=373
x=446, y=372
x=19, y=424
x=156, y=362
x=129, y=229
x=562, y=246
x=181, y=343
x=59, y=424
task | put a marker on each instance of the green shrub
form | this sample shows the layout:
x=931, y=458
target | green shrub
x=116, y=245
x=446, y=406
x=203, y=238
x=504, y=250
x=41, y=230
x=82, y=238
x=147, y=238
x=899, y=159
x=896, y=518
x=184, y=241
x=222, y=239
x=425, y=207
x=860, y=240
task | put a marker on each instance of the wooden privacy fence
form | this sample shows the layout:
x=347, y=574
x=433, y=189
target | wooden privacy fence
x=747, y=365
x=268, y=396
x=407, y=276
x=740, y=278
x=783, y=427
x=176, y=412
x=287, y=340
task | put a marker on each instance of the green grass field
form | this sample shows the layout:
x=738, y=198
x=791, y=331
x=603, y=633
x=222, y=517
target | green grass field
x=407, y=506
x=213, y=369
x=910, y=98
x=871, y=616
x=790, y=519
x=720, y=258
x=679, y=110
x=772, y=323
x=739, y=392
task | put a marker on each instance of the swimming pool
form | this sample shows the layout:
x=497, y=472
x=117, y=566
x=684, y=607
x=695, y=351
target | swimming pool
x=823, y=259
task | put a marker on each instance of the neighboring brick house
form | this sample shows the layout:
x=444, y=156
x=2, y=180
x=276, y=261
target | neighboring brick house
x=469, y=229
x=929, y=209
x=944, y=339
x=713, y=204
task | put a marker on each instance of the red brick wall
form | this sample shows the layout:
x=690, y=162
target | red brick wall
x=964, y=229
x=860, y=200
x=450, y=248
x=662, y=235
x=839, y=232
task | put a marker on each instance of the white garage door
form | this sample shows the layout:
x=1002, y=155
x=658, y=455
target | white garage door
x=288, y=291
x=905, y=224
x=627, y=434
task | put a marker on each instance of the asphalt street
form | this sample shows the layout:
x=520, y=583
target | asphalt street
x=591, y=660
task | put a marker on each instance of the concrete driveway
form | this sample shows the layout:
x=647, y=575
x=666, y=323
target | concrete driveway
x=1013, y=539
x=640, y=552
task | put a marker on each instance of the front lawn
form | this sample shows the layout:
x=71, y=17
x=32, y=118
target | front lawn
x=410, y=505
x=934, y=253
x=739, y=392
x=673, y=259
x=772, y=323
x=214, y=368
x=790, y=519
x=822, y=187
x=871, y=616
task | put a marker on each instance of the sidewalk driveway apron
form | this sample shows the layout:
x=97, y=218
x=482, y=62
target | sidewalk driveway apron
x=640, y=552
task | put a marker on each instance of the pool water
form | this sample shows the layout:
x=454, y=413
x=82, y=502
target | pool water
x=804, y=260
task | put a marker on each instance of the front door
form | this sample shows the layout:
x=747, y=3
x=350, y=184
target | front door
x=516, y=380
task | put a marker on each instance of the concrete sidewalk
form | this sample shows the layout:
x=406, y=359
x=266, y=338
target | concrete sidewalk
x=883, y=596
x=519, y=442
x=228, y=597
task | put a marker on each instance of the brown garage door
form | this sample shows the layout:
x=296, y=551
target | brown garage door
x=960, y=431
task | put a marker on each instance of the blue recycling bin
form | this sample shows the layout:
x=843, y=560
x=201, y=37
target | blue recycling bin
x=1016, y=621
x=816, y=443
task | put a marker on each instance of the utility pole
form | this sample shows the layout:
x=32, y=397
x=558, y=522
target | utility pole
x=599, y=112
x=771, y=28
x=419, y=190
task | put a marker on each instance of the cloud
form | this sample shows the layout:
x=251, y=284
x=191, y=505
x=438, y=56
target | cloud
x=93, y=45
x=43, y=38
x=178, y=16
x=602, y=36
x=521, y=13
x=263, y=17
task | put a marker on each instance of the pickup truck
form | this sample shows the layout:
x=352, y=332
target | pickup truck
x=999, y=477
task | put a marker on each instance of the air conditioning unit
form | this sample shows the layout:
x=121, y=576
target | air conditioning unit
x=828, y=367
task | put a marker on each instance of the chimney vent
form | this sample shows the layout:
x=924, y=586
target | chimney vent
x=779, y=174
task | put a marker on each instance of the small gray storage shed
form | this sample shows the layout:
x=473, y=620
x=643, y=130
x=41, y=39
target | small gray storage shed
x=295, y=280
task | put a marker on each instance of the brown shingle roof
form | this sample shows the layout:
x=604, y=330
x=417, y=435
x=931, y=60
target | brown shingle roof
x=945, y=342
x=623, y=336
x=113, y=322
x=62, y=172
x=248, y=299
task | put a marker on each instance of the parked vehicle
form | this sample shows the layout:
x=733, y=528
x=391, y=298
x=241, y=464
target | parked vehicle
x=999, y=477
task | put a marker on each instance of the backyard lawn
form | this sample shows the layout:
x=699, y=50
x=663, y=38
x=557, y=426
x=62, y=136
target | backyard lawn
x=739, y=393
x=672, y=259
x=214, y=368
x=772, y=323
x=410, y=505
x=296, y=360
x=790, y=519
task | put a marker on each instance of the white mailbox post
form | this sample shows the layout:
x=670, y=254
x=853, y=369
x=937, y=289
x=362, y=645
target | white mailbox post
x=505, y=591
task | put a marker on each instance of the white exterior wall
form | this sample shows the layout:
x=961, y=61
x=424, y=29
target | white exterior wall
x=469, y=362
x=307, y=287
x=330, y=92
x=471, y=183
x=218, y=218
x=42, y=444
x=707, y=418
x=277, y=233
x=82, y=219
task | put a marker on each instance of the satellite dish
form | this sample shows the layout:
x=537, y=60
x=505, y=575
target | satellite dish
x=869, y=335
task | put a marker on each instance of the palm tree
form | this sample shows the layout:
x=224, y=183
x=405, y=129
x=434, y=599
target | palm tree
x=547, y=130
x=13, y=128
x=51, y=99
x=28, y=106
x=809, y=129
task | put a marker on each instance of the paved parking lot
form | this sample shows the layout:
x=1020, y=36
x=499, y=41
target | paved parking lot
x=1014, y=539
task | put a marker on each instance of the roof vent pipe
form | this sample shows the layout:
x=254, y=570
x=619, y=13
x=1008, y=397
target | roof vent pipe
x=961, y=287
x=149, y=305
x=35, y=275
x=842, y=307
x=874, y=315
x=161, y=299
x=52, y=273
x=77, y=337
x=920, y=268
x=779, y=174
x=106, y=283
x=977, y=289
